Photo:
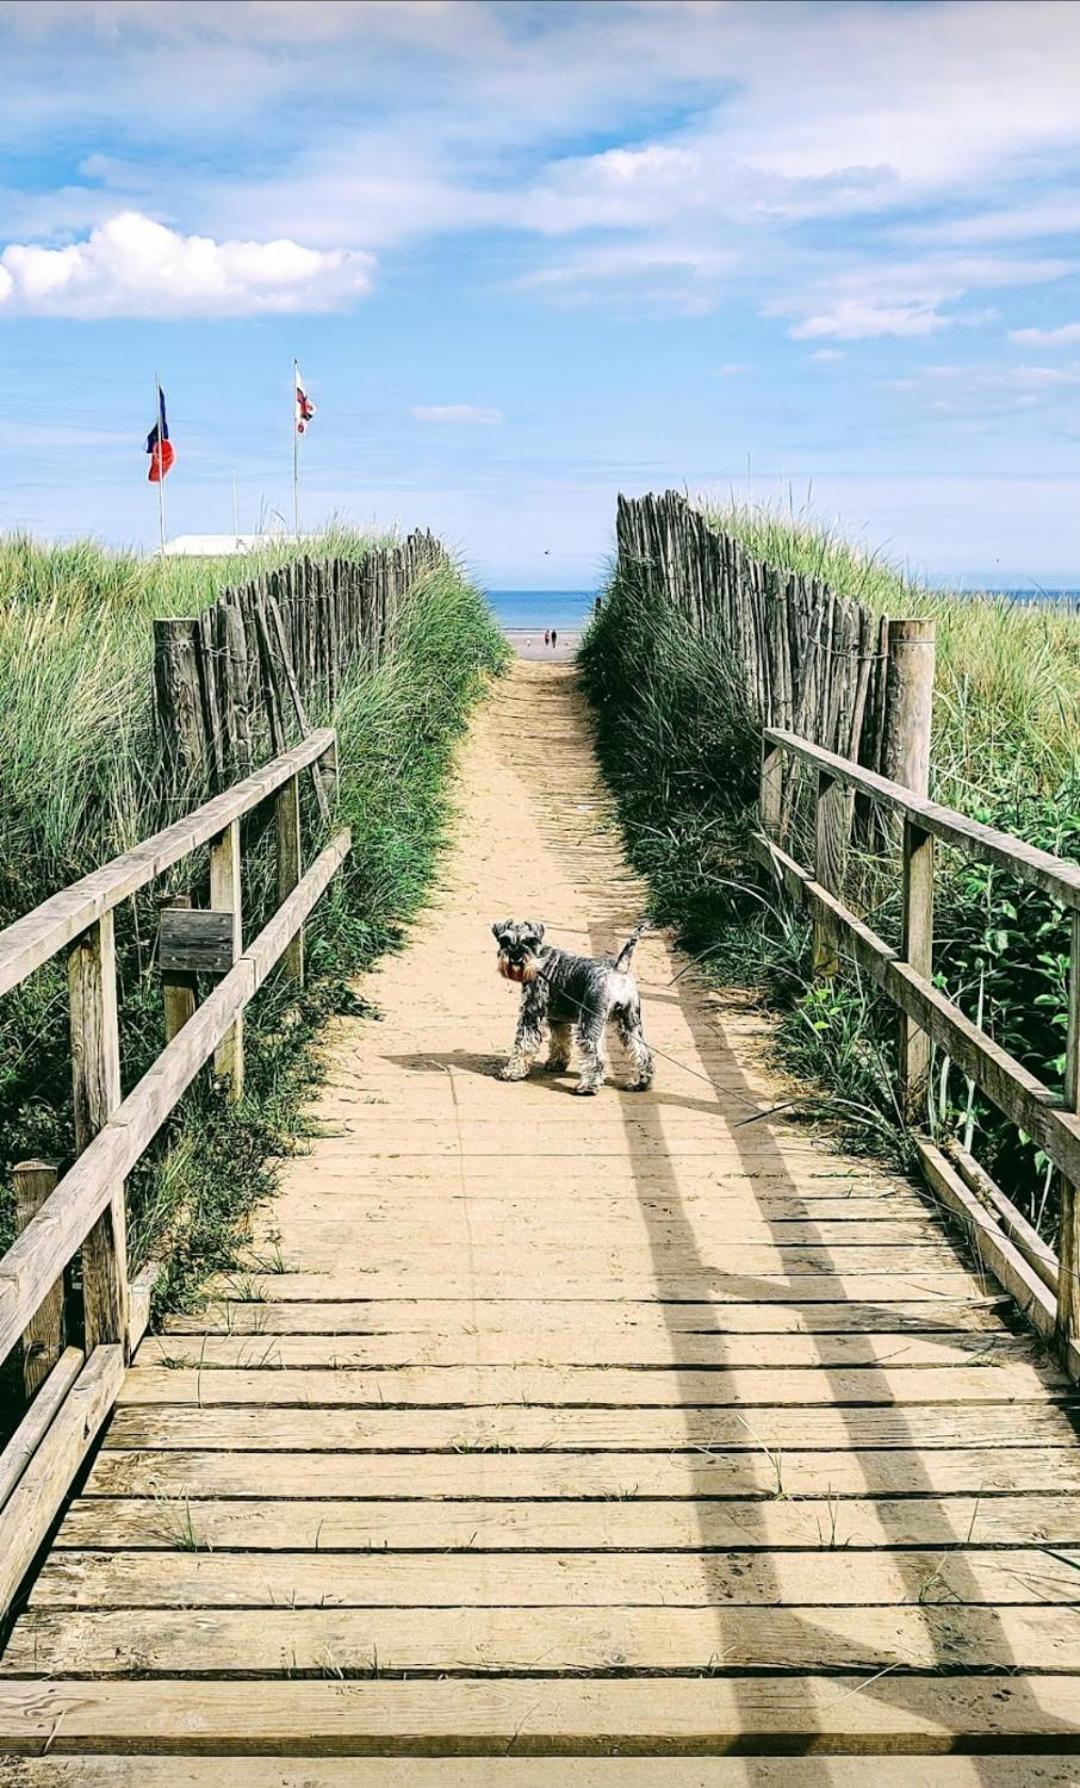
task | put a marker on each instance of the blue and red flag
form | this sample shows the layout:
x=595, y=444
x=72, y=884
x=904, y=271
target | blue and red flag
x=158, y=445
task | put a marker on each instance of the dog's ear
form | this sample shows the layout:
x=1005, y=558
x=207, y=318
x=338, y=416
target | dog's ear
x=537, y=930
x=500, y=929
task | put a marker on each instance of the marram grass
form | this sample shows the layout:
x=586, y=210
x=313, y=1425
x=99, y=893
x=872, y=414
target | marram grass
x=76, y=760
x=681, y=750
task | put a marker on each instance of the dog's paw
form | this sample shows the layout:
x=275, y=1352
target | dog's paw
x=509, y=1072
x=584, y=1090
x=556, y=1067
x=639, y=1086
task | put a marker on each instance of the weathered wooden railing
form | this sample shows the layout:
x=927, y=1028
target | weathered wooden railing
x=86, y=1208
x=1013, y=1251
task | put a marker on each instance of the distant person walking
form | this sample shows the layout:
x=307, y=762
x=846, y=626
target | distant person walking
x=547, y=636
x=554, y=637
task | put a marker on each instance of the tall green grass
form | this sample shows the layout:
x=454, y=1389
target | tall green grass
x=78, y=785
x=681, y=749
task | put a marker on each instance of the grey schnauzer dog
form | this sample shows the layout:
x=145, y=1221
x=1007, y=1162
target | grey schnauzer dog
x=561, y=992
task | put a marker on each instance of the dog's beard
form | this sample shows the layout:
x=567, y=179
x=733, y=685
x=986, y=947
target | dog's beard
x=520, y=972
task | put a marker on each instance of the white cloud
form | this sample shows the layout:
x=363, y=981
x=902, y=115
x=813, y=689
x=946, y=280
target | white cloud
x=910, y=298
x=731, y=369
x=1047, y=338
x=132, y=266
x=466, y=413
x=828, y=354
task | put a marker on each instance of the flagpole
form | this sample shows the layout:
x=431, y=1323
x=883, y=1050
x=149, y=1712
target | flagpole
x=296, y=451
x=161, y=461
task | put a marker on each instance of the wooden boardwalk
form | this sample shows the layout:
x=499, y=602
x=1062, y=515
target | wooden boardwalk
x=596, y=1428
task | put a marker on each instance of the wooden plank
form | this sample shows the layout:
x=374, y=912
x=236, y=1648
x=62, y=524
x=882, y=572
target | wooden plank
x=31, y=1508
x=1055, y=875
x=449, y=1261
x=237, y=1428
x=584, y=1280
x=322, y=1214
x=1068, y=1288
x=43, y=1336
x=543, y=1321
x=645, y=1387
x=225, y=1642
x=697, y=1718
x=1020, y=1771
x=519, y=1348
x=897, y=1471
x=832, y=1577
x=96, y=1096
x=30, y=941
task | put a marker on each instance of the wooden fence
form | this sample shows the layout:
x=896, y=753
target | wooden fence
x=814, y=662
x=236, y=682
x=1014, y=1252
x=85, y=1209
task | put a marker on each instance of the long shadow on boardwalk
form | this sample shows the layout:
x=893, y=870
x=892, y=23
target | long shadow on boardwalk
x=676, y=1255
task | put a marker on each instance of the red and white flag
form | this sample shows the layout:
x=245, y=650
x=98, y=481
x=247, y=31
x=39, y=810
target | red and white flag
x=305, y=409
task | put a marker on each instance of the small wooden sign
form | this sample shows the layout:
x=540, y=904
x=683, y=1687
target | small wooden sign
x=194, y=941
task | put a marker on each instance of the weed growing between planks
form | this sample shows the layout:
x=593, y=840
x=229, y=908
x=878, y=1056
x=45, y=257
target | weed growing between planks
x=396, y=728
x=681, y=751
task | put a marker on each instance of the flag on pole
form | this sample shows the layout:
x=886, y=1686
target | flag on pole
x=158, y=445
x=305, y=409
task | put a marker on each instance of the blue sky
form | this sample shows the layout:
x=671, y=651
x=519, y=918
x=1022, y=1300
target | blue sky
x=530, y=254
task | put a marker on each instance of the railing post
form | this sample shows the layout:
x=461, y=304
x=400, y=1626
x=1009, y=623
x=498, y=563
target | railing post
x=1068, y=1306
x=178, y=701
x=290, y=868
x=909, y=700
x=43, y=1336
x=95, y=1074
x=918, y=952
x=830, y=829
x=225, y=897
x=178, y=987
x=771, y=799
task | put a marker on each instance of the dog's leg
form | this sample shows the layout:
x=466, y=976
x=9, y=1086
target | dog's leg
x=559, y=1050
x=628, y=1019
x=594, y=1056
x=527, y=1039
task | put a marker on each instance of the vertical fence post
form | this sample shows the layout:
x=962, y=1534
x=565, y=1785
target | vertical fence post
x=1068, y=1306
x=95, y=1073
x=918, y=952
x=178, y=701
x=43, y=1336
x=178, y=987
x=770, y=802
x=225, y=897
x=290, y=867
x=909, y=700
x=830, y=833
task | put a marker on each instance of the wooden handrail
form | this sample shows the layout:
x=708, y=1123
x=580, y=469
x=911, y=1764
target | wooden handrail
x=1056, y=876
x=32, y=940
x=86, y=1209
x=1051, y=1118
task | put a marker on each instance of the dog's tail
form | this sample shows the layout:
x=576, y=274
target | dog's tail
x=622, y=960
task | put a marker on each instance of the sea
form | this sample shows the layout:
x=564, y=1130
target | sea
x=569, y=610
x=565, y=610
